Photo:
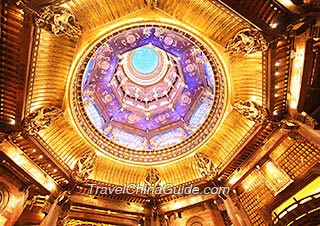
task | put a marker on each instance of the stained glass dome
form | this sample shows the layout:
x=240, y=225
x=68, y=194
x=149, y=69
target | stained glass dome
x=145, y=60
x=149, y=89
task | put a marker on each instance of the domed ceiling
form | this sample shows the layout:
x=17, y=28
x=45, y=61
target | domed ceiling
x=147, y=92
x=144, y=87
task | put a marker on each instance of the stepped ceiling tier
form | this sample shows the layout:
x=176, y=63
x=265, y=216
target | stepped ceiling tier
x=149, y=88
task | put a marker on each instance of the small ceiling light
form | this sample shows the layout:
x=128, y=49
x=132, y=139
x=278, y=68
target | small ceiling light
x=277, y=64
x=274, y=25
x=34, y=150
x=40, y=156
x=55, y=170
x=49, y=165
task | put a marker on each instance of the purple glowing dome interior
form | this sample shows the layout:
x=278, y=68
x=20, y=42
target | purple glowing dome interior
x=148, y=88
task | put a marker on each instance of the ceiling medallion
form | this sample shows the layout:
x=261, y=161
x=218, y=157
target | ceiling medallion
x=148, y=94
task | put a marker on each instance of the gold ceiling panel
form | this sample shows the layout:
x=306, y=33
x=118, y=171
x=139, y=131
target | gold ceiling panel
x=52, y=60
x=227, y=137
x=92, y=14
x=110, y=171
x=246, y=77
x=65, y=141
x=211, y=19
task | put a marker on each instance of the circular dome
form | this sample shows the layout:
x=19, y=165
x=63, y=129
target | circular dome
x=148, y=94
x=145, y=60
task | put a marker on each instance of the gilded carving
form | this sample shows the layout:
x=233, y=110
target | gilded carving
x=83, y=167
x=153, y=177
x=74, y=222
x=4, y=197
x=59, y=20
x=40, y=119
x=251, y=111
x=294, y=134
x=195, y=221
x=247, y=41
x=288, y=125
x=307, y=119
x=152, y=3
x=205, y=166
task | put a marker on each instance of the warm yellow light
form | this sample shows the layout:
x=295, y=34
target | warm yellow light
x=3, y=220
x=296, y=78
x=308, y=190
x=19, y=159
x=286, y=3
x=274, y=25
x=233, y=180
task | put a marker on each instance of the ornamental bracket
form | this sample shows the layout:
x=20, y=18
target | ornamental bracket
x=41, y=119
x=205, y=166
x=251, y=111
x=246, y=41
x=83, y=167
x=59, y=20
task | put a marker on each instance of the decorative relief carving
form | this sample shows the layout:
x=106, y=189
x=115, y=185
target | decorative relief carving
x=246, y=41
x=205, y=166
x=288, y=125
x=4, y=197
x=307, y=119
x=152, y=3
x=251, y=111
x=3, y=137
x=294, y=134
x=83, y=167
x=195, y=221
x=59, y=20
x=40, y=120
x=74, y=222
x=153, y=178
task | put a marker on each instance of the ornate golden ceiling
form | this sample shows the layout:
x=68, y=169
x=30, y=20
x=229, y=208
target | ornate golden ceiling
x=53, y=69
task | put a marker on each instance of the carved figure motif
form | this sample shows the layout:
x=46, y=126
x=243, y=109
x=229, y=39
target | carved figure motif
x=40, y=120
x=59, y=20
x=251, y=111
x=246, y=41
x=205, y=166
x=83, y=167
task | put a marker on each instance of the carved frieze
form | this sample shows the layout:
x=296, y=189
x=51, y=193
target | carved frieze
x=73, y=222
x=83, y=167
x=40, y=119
x=251, y=111
x=246, y=41
x=59, y=20
x=205, y=166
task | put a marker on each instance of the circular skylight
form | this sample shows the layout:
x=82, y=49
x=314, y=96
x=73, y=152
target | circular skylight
x=145, y=60
x=149, y=94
